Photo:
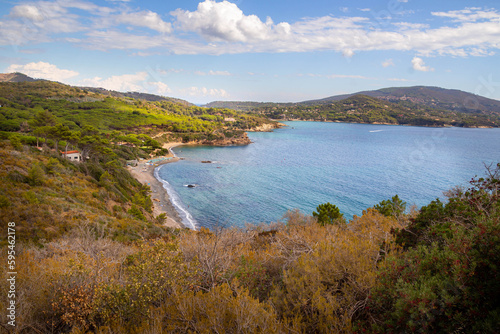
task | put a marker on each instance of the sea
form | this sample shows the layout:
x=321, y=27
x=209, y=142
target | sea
x=302, y=165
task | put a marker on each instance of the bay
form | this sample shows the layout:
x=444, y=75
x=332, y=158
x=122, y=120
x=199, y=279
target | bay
x=353, y=166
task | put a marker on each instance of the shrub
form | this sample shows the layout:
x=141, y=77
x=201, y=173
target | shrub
x=36, y=175
x=328, y=214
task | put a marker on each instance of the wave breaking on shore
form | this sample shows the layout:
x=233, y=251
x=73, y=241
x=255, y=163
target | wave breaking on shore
x=187, y=219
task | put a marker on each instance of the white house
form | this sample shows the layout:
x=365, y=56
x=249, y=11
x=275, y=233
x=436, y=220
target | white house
x=72, y=155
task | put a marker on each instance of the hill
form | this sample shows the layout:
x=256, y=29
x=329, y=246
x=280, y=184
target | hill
x=371, y=110
x=107, y=111
x=20, y=77
x=419, y=105
x=15, y=77
x=433, y=97
x=136, y=95
x=242, y=105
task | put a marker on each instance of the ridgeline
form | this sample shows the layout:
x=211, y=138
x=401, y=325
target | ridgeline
x=419, y=106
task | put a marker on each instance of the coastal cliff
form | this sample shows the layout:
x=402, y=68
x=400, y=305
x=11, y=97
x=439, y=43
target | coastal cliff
x=267, y=127
x=234, y=141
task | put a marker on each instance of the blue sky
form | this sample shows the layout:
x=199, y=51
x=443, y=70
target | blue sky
x=253, y=50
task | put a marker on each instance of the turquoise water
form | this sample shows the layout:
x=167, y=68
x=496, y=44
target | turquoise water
x=354, y=166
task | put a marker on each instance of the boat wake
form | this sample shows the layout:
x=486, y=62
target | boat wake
x=376, y=130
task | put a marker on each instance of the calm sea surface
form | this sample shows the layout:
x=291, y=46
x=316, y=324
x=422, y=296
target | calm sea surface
x=354, y=166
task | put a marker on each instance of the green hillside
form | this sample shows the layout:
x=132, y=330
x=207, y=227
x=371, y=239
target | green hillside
x=425, y=96
x=371, y=110
x=75, y=109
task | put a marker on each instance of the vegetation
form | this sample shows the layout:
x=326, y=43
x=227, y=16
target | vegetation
x=420, y=105
x=92, y=258
x=328, y=214
x=36, y=107
x=365, y=109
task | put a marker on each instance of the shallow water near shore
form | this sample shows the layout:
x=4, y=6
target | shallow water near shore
x=353, y=166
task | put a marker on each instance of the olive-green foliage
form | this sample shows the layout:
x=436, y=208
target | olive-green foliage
x=220, y=310
x=328, y=214
x=54, y=110
x=432, y=288
x=47, y=196
x=394, y=207
x=36, y=175
x=136, y=212
x=448, y=279
x=150, y=274
x=16, y=142
x=365, y=109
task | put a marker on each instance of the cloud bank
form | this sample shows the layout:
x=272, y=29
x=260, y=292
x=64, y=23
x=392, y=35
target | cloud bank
x=42, y=70
x=222, y=28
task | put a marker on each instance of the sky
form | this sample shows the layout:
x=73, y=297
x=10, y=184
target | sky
x=254, y=50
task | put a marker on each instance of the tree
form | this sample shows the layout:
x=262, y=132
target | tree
x=43, y=123
x=328, y=214
x=36, y=175
x=393, y=207
x=60, y=132
x=43, y=118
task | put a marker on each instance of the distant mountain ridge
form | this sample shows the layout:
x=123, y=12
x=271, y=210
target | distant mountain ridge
x=15, y=77
x=137, y=95
x=434, y=97
x=416, y=97
x=428, y=96
x=20, y=77
x=366, y=109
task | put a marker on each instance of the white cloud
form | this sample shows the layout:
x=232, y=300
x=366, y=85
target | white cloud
x=145, y=18
x=211, y=72
x=472, y=14
x=224, y=21
x=204, y=92
x=348, y=53
x=419, y=65
x=221, y=21
x=42, y=70
x=411, y=26
x=137, y=82
x=29, y=12
x=113, y=39
x=121, y=83
x=388, y=62
x=161, y=88
x=222, y=28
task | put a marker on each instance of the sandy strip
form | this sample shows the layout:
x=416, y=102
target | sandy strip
x=144, y=173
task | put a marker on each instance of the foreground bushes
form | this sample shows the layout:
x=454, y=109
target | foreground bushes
x=432, y=271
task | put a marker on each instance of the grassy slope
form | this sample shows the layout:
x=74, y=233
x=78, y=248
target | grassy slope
x=47, y=196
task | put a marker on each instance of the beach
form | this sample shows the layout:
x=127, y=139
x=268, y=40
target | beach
x=144, y=173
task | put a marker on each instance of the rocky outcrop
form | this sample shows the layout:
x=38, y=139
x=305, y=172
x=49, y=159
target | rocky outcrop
x=268, y=127
x=235, y=141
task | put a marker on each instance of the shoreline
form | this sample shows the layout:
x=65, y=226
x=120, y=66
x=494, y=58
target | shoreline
x=144, y=173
